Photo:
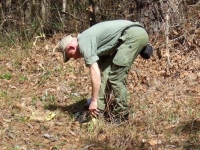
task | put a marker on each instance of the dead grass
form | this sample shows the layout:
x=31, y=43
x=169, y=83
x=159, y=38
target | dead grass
x=36, y=84
x=39, y=96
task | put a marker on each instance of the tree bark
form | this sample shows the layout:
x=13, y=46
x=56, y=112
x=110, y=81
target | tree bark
x=43, y=9
x=64, y=8
x=92, y=12
x=71, y=15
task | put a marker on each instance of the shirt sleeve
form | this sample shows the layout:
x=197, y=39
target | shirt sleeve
x=88, y=49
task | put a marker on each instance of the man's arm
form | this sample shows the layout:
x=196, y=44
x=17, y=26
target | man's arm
x=96, y=82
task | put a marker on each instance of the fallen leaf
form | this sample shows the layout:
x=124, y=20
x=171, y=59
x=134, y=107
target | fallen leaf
x=153, y=142
x=94, y=120
x=7, y=120
x=175, y=32
x=170, y=126
x=50, y=116
x=36, y=118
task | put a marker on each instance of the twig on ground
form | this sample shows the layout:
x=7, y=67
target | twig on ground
x=56, y=47
x=88, y=146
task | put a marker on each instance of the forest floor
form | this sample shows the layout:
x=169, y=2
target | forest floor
x=40, y=95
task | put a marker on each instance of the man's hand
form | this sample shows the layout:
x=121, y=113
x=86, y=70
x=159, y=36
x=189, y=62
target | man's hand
x=95, y=81
x=93, y=108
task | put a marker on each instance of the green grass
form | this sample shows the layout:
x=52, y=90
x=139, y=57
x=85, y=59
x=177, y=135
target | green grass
x=23, y=78
x=171, y=123
x=3, y=94
x=6, y=76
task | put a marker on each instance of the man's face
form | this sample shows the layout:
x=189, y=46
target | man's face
x=72, y=49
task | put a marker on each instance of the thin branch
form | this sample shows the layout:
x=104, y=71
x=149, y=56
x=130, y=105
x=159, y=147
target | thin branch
x=73, y=16
x=59, y=15
x=9, y=37
x=195, y=4
x=177, y=38
x=19, y=6
x=56, y=47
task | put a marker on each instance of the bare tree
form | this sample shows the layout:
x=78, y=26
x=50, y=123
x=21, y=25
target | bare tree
x=72, y=15
x=64, y=9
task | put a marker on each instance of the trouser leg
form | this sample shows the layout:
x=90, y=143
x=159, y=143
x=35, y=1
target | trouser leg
x=122, y=62
x=113, y=79
x=105, y=67
x=117, y=80
x=115, y=70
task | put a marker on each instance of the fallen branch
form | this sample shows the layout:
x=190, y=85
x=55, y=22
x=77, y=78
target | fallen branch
x=56, y=47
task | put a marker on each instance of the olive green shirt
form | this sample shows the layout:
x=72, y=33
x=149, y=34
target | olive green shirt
x=100, y=39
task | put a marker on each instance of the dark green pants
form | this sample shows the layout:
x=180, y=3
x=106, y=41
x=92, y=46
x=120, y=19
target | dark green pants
x=115, y=70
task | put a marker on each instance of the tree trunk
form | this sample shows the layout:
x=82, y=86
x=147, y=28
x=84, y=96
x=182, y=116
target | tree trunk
x=3, y=10
x=92, y=12
x=27, y=12
x=64, y=8
x=72, y=15
x=152, y=13
x=43, y=9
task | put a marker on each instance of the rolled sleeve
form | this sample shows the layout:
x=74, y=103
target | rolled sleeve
x=91, y=60
x=88, y=49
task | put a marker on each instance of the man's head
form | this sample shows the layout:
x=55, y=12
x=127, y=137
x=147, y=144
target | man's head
x=69, y=48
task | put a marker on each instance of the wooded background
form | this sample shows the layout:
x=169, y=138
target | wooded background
x=24, y=19
x=36, y=85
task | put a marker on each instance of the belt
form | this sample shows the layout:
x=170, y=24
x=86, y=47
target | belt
x=133, y=25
